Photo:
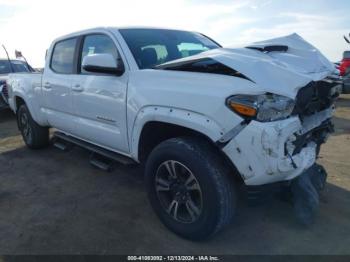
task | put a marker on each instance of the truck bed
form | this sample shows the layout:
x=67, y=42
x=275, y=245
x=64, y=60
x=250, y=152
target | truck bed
x=29, y=82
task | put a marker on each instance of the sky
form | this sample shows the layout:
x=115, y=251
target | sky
x=30, y=26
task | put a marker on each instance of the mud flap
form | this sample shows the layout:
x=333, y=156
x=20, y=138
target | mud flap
x=305, y=193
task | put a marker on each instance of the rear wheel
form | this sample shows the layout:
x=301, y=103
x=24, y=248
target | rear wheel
x=189, y=187
x=34, y=135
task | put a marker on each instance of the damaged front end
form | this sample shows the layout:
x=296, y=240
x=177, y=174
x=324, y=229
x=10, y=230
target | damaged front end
x=272, y=151
x=284, y=152
x=280, y=150
x=285, y=114
x=314, y=107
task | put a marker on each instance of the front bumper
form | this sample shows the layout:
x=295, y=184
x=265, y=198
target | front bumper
x=268, y=152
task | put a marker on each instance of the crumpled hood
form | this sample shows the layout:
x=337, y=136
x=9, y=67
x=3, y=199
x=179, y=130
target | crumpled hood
x=281, y=72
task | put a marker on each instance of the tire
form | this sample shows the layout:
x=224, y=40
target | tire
x=206, y=204
x=34, y=135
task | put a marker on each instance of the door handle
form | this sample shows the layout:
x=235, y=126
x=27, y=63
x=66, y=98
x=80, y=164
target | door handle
x=47, y=85
x=77, y=88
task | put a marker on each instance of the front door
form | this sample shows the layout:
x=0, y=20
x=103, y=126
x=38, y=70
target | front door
x=100, y=99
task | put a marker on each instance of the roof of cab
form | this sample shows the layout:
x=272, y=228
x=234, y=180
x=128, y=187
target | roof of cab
x=108, y=29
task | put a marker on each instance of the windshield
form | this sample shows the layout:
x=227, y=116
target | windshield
x=152, y=47
x=17, y=67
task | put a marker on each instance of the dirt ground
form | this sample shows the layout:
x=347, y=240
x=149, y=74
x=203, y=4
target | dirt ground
x=54, y=202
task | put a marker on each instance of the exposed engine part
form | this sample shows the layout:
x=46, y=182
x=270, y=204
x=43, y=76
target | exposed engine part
x=315, y=97
x=317, y=135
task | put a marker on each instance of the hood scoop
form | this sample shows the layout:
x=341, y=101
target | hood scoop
x=270, y=48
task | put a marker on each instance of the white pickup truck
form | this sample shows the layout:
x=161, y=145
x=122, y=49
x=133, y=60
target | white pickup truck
x=204, y=119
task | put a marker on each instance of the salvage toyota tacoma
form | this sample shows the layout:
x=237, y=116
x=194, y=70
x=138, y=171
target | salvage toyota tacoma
x=205, y=120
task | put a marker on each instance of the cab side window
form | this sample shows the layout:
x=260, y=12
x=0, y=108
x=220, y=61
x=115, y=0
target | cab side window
x=62, y=60
x=97, y=44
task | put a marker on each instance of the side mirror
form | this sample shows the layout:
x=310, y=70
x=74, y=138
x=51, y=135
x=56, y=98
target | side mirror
x=102, y=63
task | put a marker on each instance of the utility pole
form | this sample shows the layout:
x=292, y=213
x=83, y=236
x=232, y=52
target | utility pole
x=346, y=39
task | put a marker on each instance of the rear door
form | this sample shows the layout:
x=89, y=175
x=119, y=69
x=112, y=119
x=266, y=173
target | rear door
x=100, y=99
x=57, y=83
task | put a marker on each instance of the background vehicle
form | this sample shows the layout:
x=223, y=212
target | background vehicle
x=344, y=68
x=204, y=119
x=6, y=68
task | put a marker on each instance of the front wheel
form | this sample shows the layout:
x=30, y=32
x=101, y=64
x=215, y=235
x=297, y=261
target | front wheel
x=189, y=187
x=34, y=135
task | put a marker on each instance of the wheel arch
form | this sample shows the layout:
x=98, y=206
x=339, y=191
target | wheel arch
x=149, y=131
x=19, y=99
x=172, y=117
x=17, y=102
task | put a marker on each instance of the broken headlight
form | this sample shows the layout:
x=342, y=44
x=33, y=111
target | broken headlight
x=263, y=108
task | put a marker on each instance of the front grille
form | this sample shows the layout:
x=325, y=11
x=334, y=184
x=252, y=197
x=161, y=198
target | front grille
x=315, y=97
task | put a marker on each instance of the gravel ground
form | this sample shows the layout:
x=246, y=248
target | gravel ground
x=54, y=202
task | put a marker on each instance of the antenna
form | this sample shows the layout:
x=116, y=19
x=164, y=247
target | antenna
x=347, y=40
x=8, y=58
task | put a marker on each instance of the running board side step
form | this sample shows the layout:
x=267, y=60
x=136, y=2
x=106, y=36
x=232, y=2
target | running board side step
x=101, y=162
x=95, y=149
x=61, y=144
